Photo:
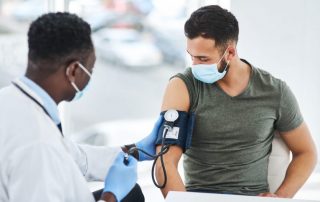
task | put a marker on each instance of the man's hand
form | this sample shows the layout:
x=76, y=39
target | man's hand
x=148, y=143
x=121, y=178
x=268, y=194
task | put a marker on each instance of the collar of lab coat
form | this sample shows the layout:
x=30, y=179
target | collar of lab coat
x=41, y=96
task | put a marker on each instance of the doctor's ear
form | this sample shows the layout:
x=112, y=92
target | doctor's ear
x=71, y=71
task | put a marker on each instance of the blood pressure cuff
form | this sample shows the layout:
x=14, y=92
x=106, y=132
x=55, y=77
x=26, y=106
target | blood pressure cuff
x=181, y=133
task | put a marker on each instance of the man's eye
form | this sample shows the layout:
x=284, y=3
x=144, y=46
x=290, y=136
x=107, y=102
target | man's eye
x=203, y=59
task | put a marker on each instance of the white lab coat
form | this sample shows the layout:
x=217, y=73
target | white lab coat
x=36, y=162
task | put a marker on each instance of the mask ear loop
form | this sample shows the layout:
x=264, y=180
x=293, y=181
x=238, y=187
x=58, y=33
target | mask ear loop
x=226, y=67
x=74, y=86
x=84, y=69
x=223, y=55
x=72, y=83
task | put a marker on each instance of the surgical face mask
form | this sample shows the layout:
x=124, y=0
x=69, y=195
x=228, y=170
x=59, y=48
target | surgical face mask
x=209, y=73
x=79, y=93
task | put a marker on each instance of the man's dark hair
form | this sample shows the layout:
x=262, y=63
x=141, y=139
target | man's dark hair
x=55, y=37
x=212, y=22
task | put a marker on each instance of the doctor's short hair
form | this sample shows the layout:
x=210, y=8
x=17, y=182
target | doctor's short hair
x=59, y=37
x=213, y=22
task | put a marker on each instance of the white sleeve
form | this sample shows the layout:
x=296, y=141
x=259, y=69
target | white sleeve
x=36, y=173
x=93, y=161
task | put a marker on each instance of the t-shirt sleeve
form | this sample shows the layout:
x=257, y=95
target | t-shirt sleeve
x=289, y=115
x=191, y=84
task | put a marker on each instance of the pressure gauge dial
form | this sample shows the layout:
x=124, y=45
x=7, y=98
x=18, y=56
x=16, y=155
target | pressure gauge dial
x=171, y=115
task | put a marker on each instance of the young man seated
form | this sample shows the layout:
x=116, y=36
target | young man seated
x=238, y=107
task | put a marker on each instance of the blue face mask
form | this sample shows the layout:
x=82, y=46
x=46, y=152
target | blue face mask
x=209, y=73
x=79, y=93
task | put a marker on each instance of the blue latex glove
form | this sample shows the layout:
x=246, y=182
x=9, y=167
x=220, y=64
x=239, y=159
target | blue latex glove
x=148, y=143
x=121, y=178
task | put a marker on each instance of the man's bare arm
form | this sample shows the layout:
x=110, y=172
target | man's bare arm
x=303, y=162
x=171, y=160
x=176, y=97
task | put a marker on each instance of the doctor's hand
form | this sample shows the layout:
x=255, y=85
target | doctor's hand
x=121, y=178
x=148, y=143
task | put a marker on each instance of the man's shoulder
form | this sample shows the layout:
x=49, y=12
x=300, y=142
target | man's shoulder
x=14, y=103
x=7, y=90
x=11, y=94
x=188, y=79
x=185, y=75
x=20, y=118
x=265, y=79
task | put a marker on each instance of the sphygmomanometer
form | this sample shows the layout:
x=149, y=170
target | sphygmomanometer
x=176, y=130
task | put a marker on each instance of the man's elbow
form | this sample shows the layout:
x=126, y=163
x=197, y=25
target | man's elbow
x=314, y=156
x=313, y=159
x=310, y=156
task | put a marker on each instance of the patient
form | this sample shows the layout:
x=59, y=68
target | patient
x=238, y=108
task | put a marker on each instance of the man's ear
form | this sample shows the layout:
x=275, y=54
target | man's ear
x=232, y=52
x=71, y=71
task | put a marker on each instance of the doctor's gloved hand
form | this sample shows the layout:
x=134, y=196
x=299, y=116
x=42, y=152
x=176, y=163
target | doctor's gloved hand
x=148, y=143
x=121, y=178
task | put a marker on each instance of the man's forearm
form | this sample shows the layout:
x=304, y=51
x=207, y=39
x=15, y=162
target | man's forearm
x=298, y=172
x=174, y=181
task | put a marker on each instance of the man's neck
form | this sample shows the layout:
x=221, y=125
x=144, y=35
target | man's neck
x=237, y=78
x=47, y=84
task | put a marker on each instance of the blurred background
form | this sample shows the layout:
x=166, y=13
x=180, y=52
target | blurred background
x=140, y=44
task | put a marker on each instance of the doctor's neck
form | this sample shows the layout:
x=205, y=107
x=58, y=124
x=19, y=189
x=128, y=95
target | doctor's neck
x=49, y=77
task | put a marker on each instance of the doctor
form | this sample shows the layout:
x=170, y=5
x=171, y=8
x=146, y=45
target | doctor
x=36, y=162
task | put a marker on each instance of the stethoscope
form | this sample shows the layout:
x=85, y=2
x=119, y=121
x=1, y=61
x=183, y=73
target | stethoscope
x=38, y=103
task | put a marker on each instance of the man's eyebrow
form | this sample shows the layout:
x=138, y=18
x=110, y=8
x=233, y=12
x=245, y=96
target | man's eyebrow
x=198, y=56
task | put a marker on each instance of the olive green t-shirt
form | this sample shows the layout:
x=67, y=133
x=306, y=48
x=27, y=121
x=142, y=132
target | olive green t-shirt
x=232, y=136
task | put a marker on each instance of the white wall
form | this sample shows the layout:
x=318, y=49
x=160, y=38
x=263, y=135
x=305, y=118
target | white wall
x=283, y=37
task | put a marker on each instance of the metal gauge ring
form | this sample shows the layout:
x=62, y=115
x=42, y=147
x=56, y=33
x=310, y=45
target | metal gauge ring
x=171, y=115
